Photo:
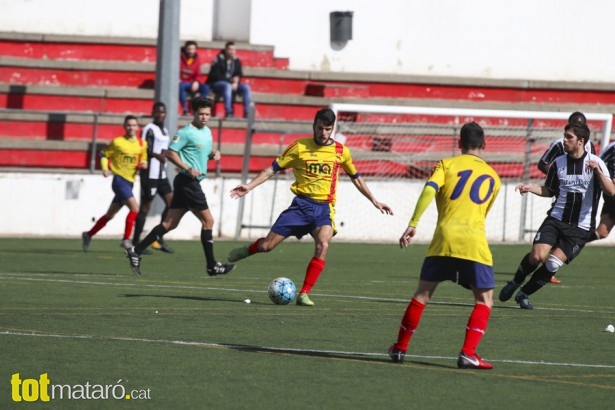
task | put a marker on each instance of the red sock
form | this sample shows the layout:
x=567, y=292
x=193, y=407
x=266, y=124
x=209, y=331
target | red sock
x=477, y=326
x=409, y=323
x=130, y=223
x=102, y=221
x=252, y=249
x=312, y=273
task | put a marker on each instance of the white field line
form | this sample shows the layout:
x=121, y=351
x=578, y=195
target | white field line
x=239, y=347
x=208, y=288
x=277, y=349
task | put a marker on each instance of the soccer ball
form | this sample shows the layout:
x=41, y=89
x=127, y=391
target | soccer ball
x=282, y=291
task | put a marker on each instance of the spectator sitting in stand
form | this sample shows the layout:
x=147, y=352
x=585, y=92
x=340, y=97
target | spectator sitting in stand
x=225, y=79
x=189, y=74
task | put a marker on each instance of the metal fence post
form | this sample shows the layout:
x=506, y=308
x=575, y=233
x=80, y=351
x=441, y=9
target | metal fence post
x=93, y=148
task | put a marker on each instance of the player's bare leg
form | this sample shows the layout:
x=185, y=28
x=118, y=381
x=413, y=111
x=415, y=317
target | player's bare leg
x=260, y=245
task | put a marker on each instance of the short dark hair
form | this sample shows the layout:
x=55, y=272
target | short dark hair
x=577, y=118
x=580, y=130
x=201, y=102
x=472, y=136
x=326, y=115
x=158, y=104
x=190, y=43
x=229, y=43
x=130, y=117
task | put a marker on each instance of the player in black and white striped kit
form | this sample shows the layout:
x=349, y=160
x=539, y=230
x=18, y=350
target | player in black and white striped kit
x=154, y=180
x=607, y=216
x=577, y=180
x=556, y=149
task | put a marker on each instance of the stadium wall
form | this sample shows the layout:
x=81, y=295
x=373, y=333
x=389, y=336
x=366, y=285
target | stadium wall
x=525, y=39
x=64, y=205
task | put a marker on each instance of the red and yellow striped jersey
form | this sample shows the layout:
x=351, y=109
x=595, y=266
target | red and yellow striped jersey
x=124, y=156
x=316, y=168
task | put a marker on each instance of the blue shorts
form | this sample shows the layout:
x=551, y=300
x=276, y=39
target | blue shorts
x=303, y=216
x=461, y=271
x=122, y=189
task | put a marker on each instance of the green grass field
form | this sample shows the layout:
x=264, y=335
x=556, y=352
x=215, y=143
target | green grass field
x=182, y=340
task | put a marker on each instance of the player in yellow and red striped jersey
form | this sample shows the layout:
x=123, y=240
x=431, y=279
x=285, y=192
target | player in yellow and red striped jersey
x=316, y=162
x=122, y=158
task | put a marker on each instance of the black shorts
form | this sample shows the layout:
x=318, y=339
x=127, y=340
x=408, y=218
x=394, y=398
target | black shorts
x=608, y=207
x=188, y=194
x=152, y=187
x=569, y=238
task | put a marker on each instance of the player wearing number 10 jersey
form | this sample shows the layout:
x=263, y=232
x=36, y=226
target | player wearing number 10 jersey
x=465, y=188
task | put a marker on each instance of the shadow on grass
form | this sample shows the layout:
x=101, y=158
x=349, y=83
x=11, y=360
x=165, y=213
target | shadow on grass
x=327, y=355
x=63, y=272
x=197, y=298
x=58, y=251
x=305, y=352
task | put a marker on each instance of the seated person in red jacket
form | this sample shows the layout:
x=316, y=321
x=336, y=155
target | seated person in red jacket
x=189, y=74
x=225, y=79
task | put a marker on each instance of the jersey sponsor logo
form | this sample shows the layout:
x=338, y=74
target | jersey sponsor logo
x=128, y=160
x=176, y=138
x=319, y=168
x=574, y=181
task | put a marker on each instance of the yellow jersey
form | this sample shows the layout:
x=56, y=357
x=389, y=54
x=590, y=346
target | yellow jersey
x=123, y=156
x=316, y=168
x=466, y=187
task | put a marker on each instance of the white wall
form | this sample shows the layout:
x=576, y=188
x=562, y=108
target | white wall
x=64, y=205
x=561, y=40
x=524, y=39
x=114, y=18
x=232, y=20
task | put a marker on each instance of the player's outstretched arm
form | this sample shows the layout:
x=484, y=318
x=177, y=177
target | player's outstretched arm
x=242, y=189
x=360, y=184
x=533, y=189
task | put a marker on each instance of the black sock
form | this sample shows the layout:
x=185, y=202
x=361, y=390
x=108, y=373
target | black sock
x=524, y=269
x=540, y=278
x=139, y=224
x=207, y=240
x=154, y=235
x=162, y=218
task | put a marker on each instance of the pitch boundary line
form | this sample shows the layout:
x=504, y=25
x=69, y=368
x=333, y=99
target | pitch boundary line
x=279, y=349
x=372, y=298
